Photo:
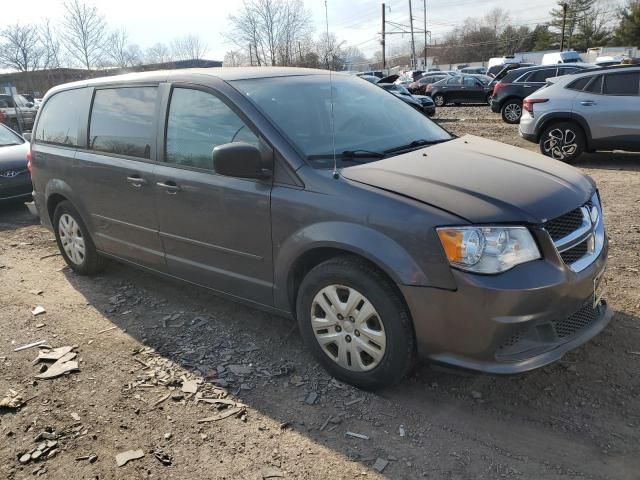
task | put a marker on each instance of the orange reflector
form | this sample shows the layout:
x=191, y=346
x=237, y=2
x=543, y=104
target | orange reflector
x=452, y=242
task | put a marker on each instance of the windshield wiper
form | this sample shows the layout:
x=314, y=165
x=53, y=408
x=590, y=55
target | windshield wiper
x=415, y=144
x=349, y=155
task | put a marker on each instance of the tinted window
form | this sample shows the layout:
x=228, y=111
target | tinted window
x=567, y=70
x=58, y=122
x=595, y=86
x=122, y=121
x=579, y=84
x=454, y=81
x=470, y=82
x=621, y=83
x=542, y=75
x=199, y=121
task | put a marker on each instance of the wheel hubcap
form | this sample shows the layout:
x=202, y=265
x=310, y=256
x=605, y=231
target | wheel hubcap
x=439, y=101
x=348, y=328
x=71, y=238
x=560, y=144
x=513, y=112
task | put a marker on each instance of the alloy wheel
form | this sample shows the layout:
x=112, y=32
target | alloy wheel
x=348, y=328
x=560, y=143
x=513, y=112
x=439, y=100
x=71, y=239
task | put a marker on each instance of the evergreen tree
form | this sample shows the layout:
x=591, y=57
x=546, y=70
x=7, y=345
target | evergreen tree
x=628, y=31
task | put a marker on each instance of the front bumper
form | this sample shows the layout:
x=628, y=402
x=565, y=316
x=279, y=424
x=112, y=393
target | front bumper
x=517, y=321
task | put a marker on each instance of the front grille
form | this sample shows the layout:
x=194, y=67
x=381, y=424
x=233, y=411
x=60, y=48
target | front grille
x=576, y=322
x=565, y=224
x=576, y=253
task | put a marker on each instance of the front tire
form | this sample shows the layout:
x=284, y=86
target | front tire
x=355, y=323
x=439, y=100
x=75, y=243
x=563, y=141
x=511, y=111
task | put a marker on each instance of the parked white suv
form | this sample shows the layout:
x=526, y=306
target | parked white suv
x=595, y=110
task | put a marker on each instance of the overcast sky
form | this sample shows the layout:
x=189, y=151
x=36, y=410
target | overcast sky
x=356, y=21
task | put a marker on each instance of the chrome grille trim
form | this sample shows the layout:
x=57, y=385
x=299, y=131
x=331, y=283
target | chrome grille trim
x=591, y=232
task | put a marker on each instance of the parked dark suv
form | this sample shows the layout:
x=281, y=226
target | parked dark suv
x=330, y=201
x=509, y=92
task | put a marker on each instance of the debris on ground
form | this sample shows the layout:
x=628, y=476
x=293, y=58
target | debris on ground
x=106, y=330
x=311, y=398
x=12, y=401
x=64, y=364
x=402, y=431
x=30, y=345
x=163, y=457
x=38, y=310
x=45, y=449
x=90, y=458
x=476, y=395
x=238, y=409
x=53, y=354
x=356, y=435
x=189, y=386
x=125, y=457
x=380, y=464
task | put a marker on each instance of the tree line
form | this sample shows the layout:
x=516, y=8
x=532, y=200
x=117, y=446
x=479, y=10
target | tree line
x=589, y=23
x=83, y=39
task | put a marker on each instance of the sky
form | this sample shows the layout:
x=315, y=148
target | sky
x=358, y=22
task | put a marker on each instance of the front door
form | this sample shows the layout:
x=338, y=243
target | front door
x=216, y=230
x=114, y=177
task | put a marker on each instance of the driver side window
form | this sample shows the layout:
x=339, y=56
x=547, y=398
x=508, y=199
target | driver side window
x=199, y=121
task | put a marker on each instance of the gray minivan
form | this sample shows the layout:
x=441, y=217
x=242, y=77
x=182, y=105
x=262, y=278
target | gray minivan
x=312, y=196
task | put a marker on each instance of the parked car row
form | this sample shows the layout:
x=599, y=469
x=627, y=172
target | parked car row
x=15, y=179
x=17, y=112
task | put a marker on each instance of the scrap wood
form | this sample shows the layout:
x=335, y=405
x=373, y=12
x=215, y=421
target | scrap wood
x=227, y=413
x=53, y=354
x=59, y=368
x=106, y=330
x=30, y=345
x=161, y=399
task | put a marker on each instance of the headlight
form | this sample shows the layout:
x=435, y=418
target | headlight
x=488, y=249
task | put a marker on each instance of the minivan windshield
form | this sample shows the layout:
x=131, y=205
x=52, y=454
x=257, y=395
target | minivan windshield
x=369, y=122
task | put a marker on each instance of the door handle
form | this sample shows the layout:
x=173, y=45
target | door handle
x=136, y=181
x=170, y=187
x=587, y=103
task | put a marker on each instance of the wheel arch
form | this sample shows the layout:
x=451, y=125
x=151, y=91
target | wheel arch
x=565, y=117
x=58, y=191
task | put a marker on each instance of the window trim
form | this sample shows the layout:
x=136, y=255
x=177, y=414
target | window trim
x=153, y=145
x=79, y=127
x=587, y=77
x=162, y=154
x=611, y=74
x=593, y=80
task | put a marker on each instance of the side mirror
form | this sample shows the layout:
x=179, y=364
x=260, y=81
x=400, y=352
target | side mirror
x=29, y=105
x=240, y=160
x=27, y=136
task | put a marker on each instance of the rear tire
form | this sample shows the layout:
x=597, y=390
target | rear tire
x=75, y=243
x=511, y=111
x=347, y=308
x=439, y=100
x=563, y=141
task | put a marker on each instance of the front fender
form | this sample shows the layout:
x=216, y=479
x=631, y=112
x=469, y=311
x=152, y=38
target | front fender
x=366, y=242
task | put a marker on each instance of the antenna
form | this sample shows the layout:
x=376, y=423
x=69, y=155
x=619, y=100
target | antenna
x=336, y=174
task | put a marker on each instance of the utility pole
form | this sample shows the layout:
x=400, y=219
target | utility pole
x=384, y=23
x=564, y=22
x=425, y=35
x=413, y=42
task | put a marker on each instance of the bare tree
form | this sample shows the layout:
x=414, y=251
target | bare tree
x=330, y=52
x=273, y=28
x=51, y=45
x=83, y=33
x=189, y=47
x=119, y=51
x=20, y=48
x=236, y=58
x=158, y=53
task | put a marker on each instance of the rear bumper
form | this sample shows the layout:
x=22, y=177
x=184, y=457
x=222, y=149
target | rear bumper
x=520, y=320
x=495, y=106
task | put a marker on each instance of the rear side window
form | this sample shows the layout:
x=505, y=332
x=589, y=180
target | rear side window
x=580, y=83
x=567, y=70
x=58, y=123
x=595, y=86
x=454, y=81
x=198, y=122
x=541, y=76
x=621, y=83
x=122, y=121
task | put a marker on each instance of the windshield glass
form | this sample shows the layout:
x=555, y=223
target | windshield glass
x=366, y=117
x=7, y=137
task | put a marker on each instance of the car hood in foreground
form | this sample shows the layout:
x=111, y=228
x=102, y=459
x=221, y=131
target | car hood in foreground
x=480, y=180
x=14, y=156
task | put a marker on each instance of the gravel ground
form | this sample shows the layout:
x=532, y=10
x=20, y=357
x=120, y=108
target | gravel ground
x=156, y=358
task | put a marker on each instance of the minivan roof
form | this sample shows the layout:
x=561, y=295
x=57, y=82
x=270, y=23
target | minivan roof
x=226, y=74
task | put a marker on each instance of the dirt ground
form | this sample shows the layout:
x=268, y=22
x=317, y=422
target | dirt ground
x=578, y=418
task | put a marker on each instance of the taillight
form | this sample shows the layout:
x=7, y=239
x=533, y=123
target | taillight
x=498, y=86
x=527, y=104
x=29, y=166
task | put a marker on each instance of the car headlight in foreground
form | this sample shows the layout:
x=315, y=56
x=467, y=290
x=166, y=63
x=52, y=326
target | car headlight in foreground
x=488, y=249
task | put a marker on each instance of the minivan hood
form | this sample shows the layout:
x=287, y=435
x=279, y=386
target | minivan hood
x=480, y=180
